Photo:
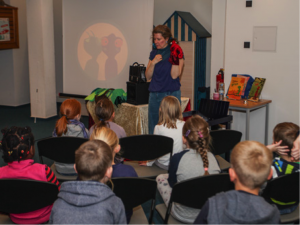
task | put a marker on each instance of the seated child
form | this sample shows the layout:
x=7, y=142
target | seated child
x=69, y=125
x=287, y=133
x=17, y=146
x=105, y=134
x=89, y=200
x=195, y=161
x=250, y=168
x=105, y=112
x=170, y=124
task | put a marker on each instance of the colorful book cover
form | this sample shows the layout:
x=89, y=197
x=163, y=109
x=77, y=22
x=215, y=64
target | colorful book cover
x=236, y=87
x=256, y=89
x=246, y=82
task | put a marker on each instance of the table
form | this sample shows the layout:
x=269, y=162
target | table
x=247, y=107
x=133, y=118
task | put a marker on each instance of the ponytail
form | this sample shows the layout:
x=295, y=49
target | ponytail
x=61, y=126
x=69, y=109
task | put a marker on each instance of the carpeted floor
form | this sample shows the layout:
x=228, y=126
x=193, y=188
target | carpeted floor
x=20, y=116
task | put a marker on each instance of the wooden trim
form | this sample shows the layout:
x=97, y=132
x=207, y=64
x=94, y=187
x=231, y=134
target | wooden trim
x=12, y=14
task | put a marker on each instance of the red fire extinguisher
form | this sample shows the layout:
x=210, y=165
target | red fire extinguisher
x=220, y=78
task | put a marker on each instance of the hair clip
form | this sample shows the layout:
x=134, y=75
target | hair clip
x=187, y=133
x=205, y=169
x=20, y=157
x=22, y=151
x=200, y=134
x=22, y=138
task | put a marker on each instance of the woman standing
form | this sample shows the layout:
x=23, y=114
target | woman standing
x=164, y=68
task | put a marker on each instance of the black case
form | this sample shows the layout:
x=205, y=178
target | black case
x=137, y=73
x=138, y=93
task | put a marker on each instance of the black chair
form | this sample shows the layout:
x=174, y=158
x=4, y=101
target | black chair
x=60, y=149
x=284, y=190
x=22, y=196
x=223, y=141
x=143, y=148
x=194, y=193
x=133, y=192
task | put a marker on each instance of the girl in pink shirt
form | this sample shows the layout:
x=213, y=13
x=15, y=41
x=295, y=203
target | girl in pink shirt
x=17, y=146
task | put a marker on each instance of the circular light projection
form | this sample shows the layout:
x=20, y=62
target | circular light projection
x=102, y=51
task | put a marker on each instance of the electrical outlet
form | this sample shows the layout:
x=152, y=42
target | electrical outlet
x=246, y=44
x=249, y=3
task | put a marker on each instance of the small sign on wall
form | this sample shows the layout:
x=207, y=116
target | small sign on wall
x=4, y=29
x=9, y=28
x=264, y=38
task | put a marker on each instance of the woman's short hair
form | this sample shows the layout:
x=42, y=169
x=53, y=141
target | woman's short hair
x=164, y=31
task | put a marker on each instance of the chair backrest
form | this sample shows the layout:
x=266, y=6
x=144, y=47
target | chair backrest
x=59, y=149
x=145, y=147
x=135, y=191
x=21, y=195
x=224, y=140
x=213, y=109
x=284, y=190
x=195, y=192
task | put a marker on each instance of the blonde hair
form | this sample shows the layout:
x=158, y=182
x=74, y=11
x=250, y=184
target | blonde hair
x=103, y=133
x=92, y=159
x=169, y=112
x=196, y=132
x=252, y=162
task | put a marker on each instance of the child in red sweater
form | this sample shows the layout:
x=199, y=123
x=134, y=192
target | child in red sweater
x=17, y=146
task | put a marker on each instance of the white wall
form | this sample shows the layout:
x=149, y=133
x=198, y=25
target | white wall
x=14, y=85
x=57, y=17
x=200, y=9
x=280, y=68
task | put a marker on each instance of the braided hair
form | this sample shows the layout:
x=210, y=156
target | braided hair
x=16, y=143
x=196, y=132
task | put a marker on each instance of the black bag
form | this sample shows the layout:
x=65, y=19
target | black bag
x=137, y=73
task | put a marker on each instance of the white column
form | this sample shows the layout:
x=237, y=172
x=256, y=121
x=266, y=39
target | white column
x=41, y=58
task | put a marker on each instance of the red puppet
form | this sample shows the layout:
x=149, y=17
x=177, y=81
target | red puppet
x=176, y=53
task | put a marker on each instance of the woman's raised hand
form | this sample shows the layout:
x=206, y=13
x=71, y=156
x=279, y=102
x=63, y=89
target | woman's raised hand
x=157, y=59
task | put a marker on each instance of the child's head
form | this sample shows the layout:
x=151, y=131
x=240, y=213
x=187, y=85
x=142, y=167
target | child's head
x=103, y=133
x=70, y=109
x=93, y=161
x=169, y=111
x=251, y=162
x=196, y=135
x=104, y=109
x=287, y=132
x=17, y=144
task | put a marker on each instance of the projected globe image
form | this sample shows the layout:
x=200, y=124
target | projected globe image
x=102, y=51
